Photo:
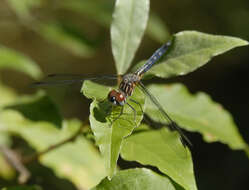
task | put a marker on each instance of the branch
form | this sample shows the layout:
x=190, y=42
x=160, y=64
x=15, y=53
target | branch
x=36, y=155
x=15, y=161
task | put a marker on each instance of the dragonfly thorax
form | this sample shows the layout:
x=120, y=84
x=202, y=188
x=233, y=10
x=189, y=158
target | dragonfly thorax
x=117, y=98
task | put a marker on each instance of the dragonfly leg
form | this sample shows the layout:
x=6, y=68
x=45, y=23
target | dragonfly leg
x=137, y=104
x=119, y=115
x=134, y=111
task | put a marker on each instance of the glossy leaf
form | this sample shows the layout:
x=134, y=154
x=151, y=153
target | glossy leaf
x=196, y=113
x=191, y=50
x=162, y=149
x=139, y=179
x=57, y=34
x=127, y=29
x=109, y=129
x=10, y=59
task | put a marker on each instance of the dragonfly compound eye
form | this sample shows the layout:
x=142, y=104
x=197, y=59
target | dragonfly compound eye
x=112, y=97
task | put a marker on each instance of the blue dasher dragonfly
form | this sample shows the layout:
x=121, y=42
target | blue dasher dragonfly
x=127, y=84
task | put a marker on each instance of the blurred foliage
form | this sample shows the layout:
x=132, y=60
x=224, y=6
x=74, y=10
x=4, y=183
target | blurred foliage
x=54, y=32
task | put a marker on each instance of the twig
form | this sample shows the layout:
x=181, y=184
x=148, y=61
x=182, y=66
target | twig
x=36, y=155
x=15, y=161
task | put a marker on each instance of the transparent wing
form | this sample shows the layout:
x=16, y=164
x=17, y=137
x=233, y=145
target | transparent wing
x=67, y=79
x=171, y=124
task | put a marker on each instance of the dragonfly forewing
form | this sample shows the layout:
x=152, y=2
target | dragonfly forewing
x=68, y=79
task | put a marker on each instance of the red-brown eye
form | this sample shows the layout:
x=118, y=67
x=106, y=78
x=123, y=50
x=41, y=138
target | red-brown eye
x=120, y=97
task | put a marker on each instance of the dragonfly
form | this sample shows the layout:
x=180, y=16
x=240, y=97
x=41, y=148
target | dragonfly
x=127, y=84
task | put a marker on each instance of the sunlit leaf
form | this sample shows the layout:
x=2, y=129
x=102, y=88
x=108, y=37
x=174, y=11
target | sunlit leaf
x=157, y=29
x=10, y=59
x=109, y=129
x=127, y=29
x=196, y=113
x=163, y=149
x=57, y=34
x=190, y=50
x=139, y=179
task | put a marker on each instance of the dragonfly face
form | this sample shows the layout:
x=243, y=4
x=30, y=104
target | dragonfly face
x=116, y=98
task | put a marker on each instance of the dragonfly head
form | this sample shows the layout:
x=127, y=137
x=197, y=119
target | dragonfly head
x=116, y=98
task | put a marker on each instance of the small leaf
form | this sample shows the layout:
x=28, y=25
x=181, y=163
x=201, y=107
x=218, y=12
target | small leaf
x=191, y=50
x=196, y=113
x=129, y=22
x=108, y=133
x=23, y=187
x=139, y=179
x=162, y=149
x=11, y=59
x=38, y=108
x=57, y=34
x=156, y=29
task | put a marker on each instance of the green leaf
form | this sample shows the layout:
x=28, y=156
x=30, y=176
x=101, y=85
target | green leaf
x=22, y=8
x=196, y=113
x=92, y=90
x=77, y=161
x=163, y=149
x=11, y=59
x=129, y=22
x=108, y=133
x=7, y=95
x=57, y=34
x=156, y=29
x=191, y=50
x=38, y=108
x=139, y=179
x=23, y=187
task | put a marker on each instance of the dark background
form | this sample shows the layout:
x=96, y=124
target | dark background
x=225, y=78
